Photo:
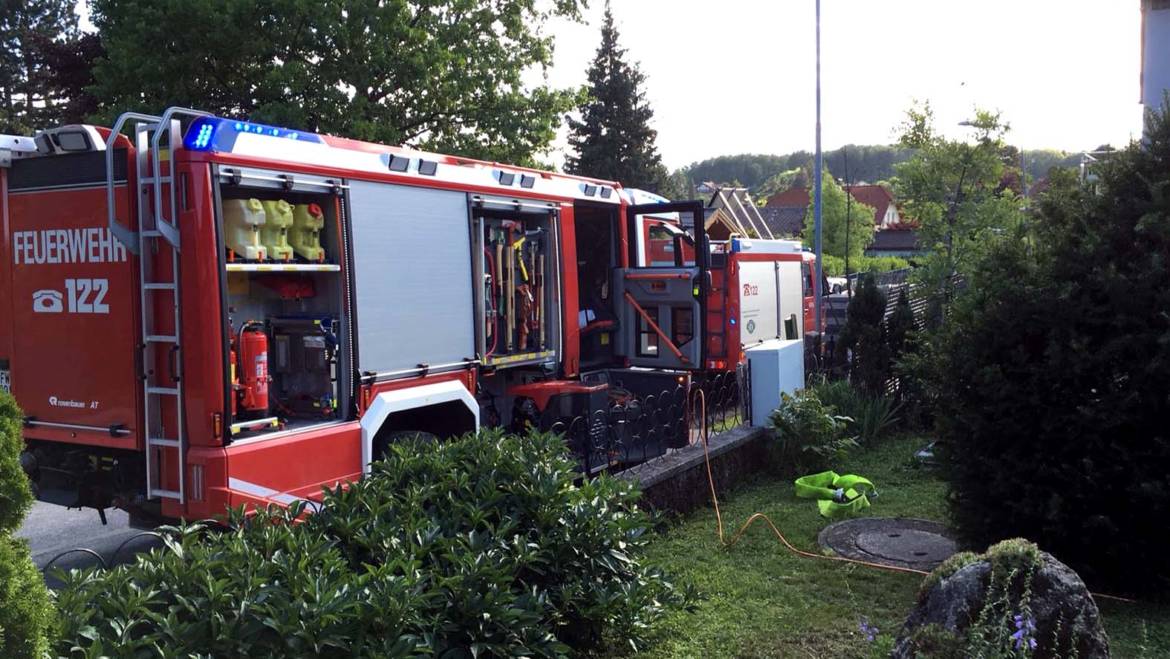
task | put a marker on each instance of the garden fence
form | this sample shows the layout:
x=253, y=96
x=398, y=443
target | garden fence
x=639, y=428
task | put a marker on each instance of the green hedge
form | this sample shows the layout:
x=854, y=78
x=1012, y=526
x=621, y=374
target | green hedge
x=835, y=265
x=15, y=495
x=26, y=614
x=482, y=546
x=1050, y=379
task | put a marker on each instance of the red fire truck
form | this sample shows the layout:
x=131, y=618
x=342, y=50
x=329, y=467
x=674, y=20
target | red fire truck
x=201, y=312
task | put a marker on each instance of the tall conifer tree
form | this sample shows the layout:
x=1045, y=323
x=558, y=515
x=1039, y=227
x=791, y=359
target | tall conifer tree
x=613, y=139
x=44, y=63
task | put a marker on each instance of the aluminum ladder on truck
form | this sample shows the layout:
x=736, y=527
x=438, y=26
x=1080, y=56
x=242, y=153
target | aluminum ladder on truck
x=158, y=230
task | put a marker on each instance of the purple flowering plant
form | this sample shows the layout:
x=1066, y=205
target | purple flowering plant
x=1025, y=634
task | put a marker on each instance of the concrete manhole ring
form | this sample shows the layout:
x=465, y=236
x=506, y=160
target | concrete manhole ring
x=897, y=541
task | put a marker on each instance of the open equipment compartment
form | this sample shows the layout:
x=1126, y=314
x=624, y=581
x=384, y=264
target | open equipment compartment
x=286, y=315
x=517, y=282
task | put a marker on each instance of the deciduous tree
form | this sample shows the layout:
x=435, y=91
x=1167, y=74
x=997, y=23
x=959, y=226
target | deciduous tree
x=40, y=83
x=955, y=190
x=1049, y=377
x=837, y=219
x=446, y=75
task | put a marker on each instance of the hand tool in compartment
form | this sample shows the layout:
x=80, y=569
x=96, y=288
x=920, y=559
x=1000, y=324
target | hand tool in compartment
x=510, y=256
x=491, y=304
x=540, y=292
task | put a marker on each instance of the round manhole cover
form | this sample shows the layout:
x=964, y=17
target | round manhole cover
x=906, y=545
x=902, y=542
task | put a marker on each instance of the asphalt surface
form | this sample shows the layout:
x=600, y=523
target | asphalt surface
x=51, y=530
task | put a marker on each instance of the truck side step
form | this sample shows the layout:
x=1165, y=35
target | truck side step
x=166, y=494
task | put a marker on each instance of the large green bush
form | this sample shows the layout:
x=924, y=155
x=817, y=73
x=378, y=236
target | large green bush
x=834, y=266
x=482, y=546
x=15, y=495
x=810, y=435
x=26, y=615
x=1051, y=376
x=864, y=338
x=871, y=418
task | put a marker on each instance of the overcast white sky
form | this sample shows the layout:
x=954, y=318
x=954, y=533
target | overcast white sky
x=738, y=76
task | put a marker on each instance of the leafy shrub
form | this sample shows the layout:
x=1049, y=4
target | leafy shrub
x=26, y=614
x=481, y=546
x=1050, y=378
x=864, y=336
x=15, y=495
x=810, y=435
x=267, y=587
x=565, y=553
x=882, y=263
x=870, y=417
x=834, y=266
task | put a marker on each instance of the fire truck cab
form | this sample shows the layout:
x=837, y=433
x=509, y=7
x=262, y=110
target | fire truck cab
x=203, y=313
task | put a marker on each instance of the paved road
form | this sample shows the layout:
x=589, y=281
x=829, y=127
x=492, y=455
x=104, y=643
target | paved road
x=50, y=529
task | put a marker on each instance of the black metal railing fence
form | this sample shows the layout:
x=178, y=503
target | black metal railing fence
x=632, y=431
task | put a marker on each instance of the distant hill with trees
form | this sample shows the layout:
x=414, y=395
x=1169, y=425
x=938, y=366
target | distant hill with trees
x=764, y=173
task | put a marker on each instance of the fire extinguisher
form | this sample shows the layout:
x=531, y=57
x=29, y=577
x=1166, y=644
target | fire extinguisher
x=234, y=381
x=253, y=367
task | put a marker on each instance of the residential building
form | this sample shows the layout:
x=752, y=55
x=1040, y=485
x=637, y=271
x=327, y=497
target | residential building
x=743, y=212
x=893, y=235
x=879, y=198
x=793, y=197
x=1155, y=52
x=719, y=224
x=784, y=221
x=900, y=242
x=784, y=212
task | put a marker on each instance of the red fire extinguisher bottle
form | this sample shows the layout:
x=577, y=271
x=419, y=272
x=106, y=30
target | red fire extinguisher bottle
x=234, y=380
x=253, y=366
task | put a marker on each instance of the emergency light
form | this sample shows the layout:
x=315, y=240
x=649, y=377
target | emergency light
x=218, y=134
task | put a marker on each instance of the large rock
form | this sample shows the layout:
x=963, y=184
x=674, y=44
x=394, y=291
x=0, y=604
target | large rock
x=953, y=611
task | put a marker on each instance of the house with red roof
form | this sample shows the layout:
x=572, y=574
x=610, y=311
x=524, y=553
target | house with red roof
x=875, y=196
x=893, y=234
x=790, y=197
x=879, y=198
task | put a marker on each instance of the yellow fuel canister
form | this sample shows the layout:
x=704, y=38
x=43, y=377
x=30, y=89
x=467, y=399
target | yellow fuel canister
x=242, y=219
x=305, y=237
x=274, y=233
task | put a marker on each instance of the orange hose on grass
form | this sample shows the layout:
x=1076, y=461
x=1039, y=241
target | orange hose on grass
x=701, y=399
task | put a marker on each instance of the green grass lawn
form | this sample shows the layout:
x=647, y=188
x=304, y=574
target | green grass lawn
x=759, y=600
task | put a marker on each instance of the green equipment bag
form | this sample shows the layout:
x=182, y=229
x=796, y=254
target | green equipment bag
x=837, y=496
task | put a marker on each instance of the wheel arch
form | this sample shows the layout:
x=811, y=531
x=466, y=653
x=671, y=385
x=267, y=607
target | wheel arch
x=421, y=405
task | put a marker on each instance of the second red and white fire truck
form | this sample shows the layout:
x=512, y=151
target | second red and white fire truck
x=200, y=312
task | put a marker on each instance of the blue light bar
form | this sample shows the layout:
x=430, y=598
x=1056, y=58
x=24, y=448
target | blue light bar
x=218, y=134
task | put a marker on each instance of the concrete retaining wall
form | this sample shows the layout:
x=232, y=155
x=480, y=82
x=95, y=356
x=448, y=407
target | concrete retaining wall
x=678, y=481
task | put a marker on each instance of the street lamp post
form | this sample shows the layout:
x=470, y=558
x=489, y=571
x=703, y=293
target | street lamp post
x=848, y=217
x=819, y=164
